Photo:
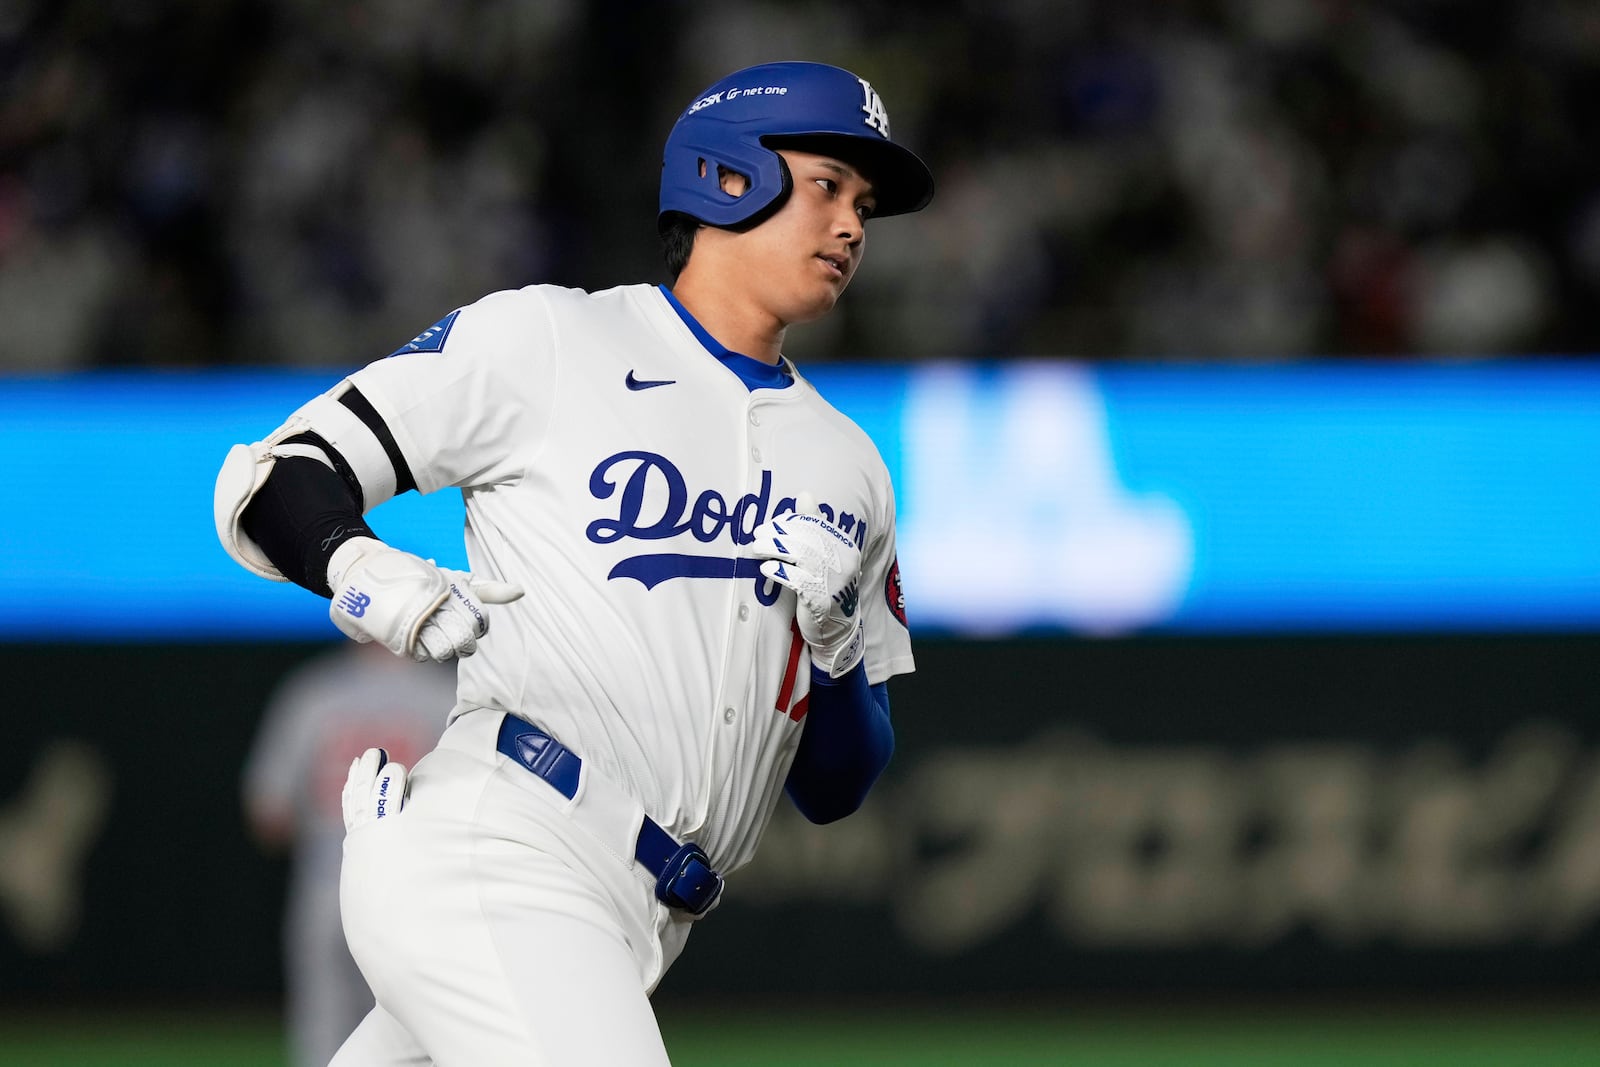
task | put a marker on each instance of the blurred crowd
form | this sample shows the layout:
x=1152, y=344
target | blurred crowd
x=313, y=182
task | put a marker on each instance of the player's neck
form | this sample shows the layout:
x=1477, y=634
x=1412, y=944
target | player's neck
x=738, y=323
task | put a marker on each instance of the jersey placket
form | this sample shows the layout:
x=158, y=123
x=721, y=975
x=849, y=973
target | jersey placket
x=732, y=725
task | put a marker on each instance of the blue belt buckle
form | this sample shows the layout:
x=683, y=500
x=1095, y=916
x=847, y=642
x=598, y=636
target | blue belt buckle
x=688, y=882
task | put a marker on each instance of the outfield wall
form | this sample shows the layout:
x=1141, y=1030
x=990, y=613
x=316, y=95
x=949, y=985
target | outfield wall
x=1181, y=813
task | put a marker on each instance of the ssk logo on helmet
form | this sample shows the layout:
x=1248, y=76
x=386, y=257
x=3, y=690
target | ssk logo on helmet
x=872, y=106
x=736, y=93
x=704, y=101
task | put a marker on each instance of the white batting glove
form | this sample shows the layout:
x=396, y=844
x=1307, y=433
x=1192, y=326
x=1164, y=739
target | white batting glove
x=408, y=604
x=375, y=789
x=813, y=557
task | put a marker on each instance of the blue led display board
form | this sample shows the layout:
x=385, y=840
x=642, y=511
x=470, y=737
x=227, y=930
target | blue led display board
x=1033, y=497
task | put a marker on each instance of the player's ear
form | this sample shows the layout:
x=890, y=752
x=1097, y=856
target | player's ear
x=731, y=181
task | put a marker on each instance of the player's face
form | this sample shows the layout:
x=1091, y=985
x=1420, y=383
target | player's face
x=807, y=252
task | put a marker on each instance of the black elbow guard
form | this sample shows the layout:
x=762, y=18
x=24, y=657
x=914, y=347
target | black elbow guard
x=299, y=516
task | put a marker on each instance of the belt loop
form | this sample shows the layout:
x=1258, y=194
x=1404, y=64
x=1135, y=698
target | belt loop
x=541, y=754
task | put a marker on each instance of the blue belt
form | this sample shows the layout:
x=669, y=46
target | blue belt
x=684, y=878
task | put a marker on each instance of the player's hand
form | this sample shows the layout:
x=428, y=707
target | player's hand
x=813, y=557
x=375, y=789
x=454, y=629
x=408, y=604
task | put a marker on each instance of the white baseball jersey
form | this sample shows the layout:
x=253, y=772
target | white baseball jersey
x=614, y=463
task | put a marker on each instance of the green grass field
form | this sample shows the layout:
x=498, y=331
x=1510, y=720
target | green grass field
x=1470, y=1035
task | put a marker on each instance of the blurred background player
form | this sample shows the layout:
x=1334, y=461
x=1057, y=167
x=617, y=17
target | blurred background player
x=322, y=714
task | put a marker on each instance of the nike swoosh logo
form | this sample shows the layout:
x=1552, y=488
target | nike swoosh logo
x=647, y=383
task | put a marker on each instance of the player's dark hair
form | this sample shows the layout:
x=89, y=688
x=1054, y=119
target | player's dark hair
x=677, y=241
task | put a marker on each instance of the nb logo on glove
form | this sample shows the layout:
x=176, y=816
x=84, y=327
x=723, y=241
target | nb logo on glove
x=410, y=605
x=354, y=603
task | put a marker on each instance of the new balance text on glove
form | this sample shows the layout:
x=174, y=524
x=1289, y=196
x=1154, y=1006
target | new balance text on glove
x=808, y=554
x=408, y=604
x=374, y=789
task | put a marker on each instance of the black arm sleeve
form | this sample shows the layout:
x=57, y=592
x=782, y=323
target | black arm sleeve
x=302, y=512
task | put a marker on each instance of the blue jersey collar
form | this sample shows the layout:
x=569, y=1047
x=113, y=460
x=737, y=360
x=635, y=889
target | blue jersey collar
x=752, y=372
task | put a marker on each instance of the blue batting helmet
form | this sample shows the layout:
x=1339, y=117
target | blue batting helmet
x=740, y=121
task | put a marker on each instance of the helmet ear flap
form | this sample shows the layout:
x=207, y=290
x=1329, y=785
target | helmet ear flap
x=770, y=208
x=753, y=189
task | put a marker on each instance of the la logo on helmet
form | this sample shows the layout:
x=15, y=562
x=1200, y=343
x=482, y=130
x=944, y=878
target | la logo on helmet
x=877, y=114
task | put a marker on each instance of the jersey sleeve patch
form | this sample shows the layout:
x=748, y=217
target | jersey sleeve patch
x=430, y=340
x=894, y=595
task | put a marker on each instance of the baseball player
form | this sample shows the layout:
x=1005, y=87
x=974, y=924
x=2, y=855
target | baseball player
x=682, y=604
x=322, y=713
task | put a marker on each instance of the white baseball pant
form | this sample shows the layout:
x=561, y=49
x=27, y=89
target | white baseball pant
x=499, y=923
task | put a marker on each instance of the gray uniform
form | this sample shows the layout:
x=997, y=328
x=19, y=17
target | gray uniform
x=323, y=715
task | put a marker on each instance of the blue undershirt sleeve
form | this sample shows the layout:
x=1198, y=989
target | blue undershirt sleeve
x=847, y=742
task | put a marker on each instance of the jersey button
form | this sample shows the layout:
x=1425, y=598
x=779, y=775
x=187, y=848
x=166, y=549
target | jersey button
x=755, y=454
x=744, y=612
x=727, y=714
x=755, y=420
